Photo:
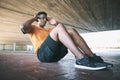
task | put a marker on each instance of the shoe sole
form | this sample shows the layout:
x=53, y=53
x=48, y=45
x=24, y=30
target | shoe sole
x=89, y=68
x=108, y=65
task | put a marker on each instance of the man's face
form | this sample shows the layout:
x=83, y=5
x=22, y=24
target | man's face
x=42, y=19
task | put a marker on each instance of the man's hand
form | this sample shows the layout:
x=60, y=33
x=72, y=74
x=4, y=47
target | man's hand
x=52, y=21
x=36, y=17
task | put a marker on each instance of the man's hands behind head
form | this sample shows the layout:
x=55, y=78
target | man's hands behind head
x=36, y=17
x=49, y=19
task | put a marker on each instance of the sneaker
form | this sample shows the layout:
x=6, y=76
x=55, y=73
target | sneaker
x=98, y=59
x=108, y=65
x=85, y=63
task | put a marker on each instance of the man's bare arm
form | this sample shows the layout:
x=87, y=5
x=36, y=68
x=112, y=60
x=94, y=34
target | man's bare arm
x=26, y=27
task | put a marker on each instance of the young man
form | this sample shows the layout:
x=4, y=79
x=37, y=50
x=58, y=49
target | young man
x=51, y=45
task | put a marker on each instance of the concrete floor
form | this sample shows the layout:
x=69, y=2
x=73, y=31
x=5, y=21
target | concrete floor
x=25, y=66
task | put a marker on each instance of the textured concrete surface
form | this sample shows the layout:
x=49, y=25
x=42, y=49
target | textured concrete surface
x=25, y=66
x=85, y=15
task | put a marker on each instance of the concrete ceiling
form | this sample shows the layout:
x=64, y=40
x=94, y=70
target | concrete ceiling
x=85, y=15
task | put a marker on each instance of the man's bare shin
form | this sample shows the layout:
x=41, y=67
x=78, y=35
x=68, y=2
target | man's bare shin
x=81, y=42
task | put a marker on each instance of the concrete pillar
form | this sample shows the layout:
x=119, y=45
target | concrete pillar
x=14, y=46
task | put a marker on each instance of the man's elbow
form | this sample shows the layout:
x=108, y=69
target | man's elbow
x=22, y=27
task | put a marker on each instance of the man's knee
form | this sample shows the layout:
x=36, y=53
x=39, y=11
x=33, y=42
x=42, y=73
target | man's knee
x=54, y=33
x=72, y=30
x=60, y=26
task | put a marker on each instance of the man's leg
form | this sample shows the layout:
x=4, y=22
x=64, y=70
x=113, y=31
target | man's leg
x=83, y=46
x=59, y=33
x=97, y=60
x=80, y=42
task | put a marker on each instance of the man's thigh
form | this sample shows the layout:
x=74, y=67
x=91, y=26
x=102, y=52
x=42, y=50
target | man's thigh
x=50, y=50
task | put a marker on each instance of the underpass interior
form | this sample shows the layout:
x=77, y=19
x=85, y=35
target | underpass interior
x=98, y=21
